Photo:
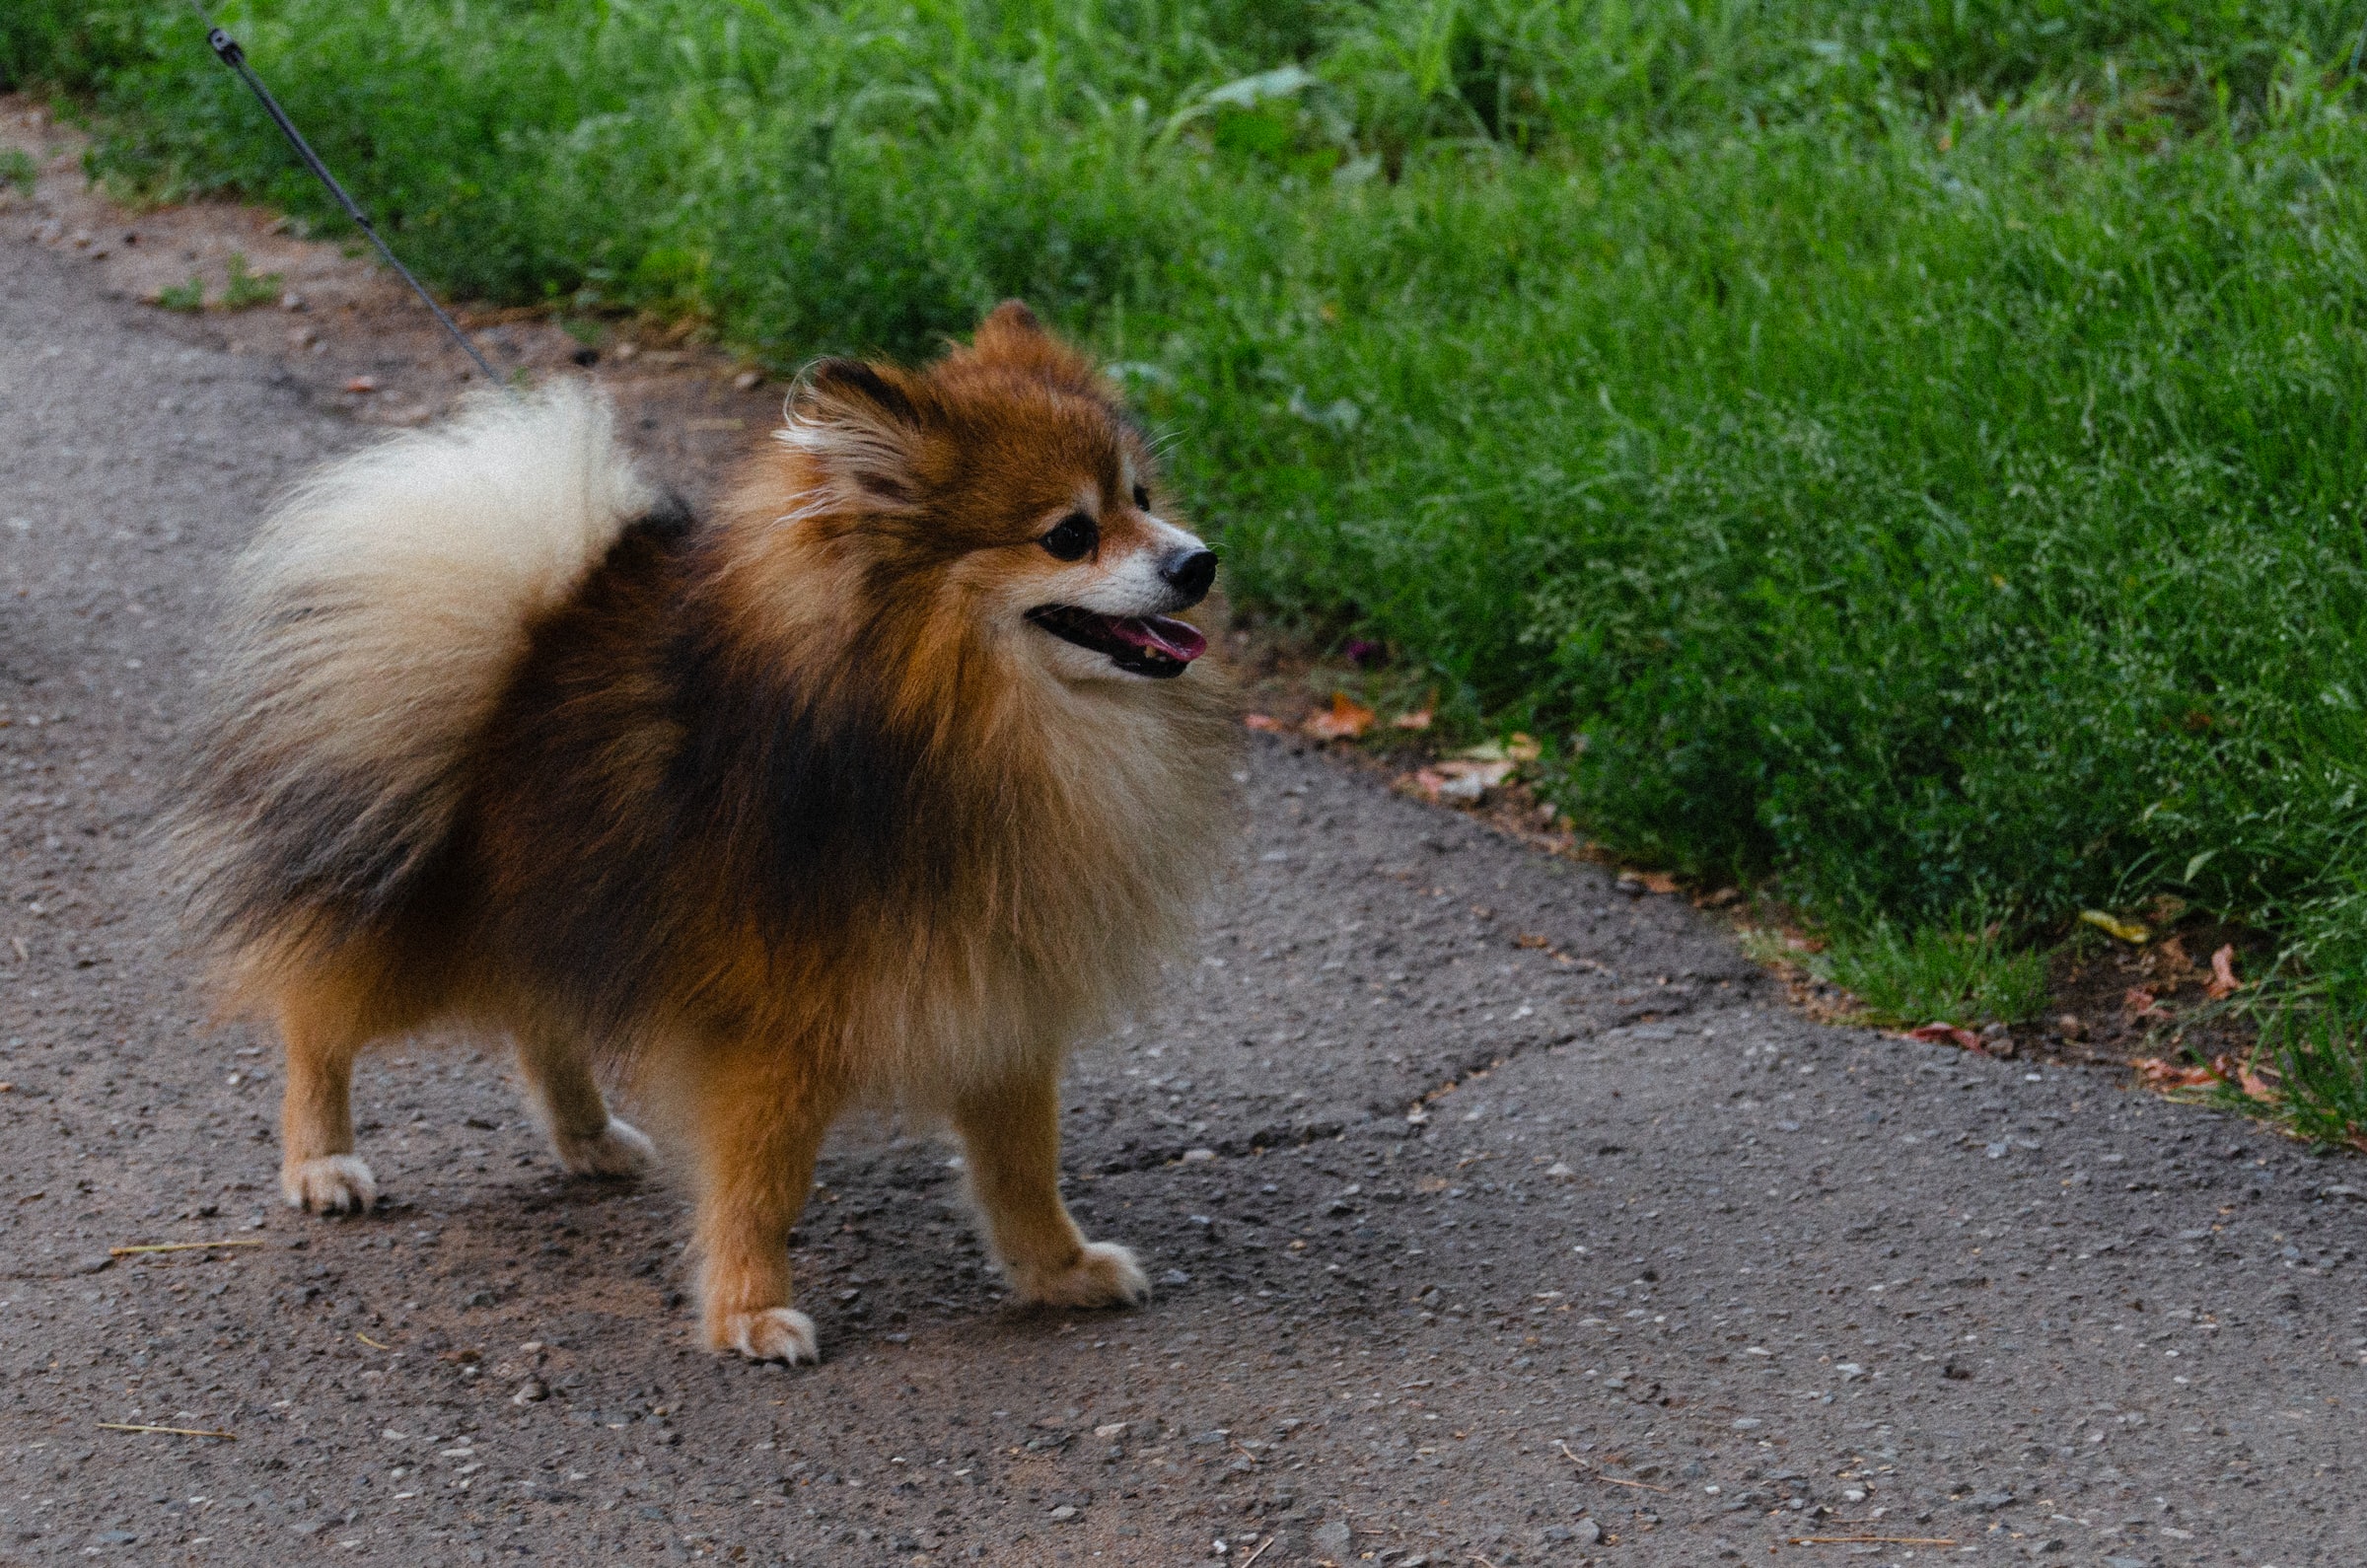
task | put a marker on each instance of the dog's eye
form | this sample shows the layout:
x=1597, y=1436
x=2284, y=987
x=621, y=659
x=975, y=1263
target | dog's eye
x=1142, y=498
x=1072, y=539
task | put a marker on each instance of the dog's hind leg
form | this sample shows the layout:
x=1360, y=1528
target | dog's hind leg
x=323, y=1030
x=758, y=1123
x=558, y=1081
x=1012, y=1134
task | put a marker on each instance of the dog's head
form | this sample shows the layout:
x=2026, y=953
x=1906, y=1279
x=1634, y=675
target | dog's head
x=1002, y=492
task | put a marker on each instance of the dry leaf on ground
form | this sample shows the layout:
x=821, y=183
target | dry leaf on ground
x=2160, y=1074
x=2223, y=984
x=1419, y=718
x=1265, y=721
x=2256, y=1085
x=2140, y=1003
x=1346, y=720
x=1946, y=1035
x=1467, y=783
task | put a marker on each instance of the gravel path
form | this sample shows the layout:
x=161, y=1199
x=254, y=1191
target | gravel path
x=1660, y=1274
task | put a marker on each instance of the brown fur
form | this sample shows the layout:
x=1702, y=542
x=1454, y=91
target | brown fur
x=784, y=812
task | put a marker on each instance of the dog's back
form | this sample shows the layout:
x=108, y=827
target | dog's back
x=377, y=618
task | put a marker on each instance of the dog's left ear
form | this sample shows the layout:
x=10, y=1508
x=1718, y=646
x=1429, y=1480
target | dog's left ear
x=863, y=425
x=1011, y=336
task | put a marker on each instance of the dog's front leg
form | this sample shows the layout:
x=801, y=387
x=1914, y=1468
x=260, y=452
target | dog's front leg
x=759, y=1123
x=1012, y=1134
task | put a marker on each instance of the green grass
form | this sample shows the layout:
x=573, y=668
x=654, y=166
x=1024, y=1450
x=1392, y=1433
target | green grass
x=1905, y=452
x=1910, y=977
x=16, y=171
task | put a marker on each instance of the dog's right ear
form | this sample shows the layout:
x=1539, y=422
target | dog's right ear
x=862, y=426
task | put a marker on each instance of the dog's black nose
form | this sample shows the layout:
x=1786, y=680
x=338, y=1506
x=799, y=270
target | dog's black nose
x=1190, y=572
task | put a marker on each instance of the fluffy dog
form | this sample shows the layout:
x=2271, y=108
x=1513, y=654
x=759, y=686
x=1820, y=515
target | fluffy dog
x=883, y=784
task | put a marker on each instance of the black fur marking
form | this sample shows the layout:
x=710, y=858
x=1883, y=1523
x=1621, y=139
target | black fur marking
x=668, y=520
x=777, y=799
x=851, y=377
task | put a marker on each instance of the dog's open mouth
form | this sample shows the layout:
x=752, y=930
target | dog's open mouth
x=1148, y=645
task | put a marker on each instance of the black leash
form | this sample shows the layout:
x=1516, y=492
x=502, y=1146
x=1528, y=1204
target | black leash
x=226, y=49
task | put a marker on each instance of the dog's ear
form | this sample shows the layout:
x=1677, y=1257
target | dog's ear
x=862, y=424
x=1012, y=337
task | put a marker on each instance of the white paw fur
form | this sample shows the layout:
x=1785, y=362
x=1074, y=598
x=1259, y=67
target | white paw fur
x=619, y=1149
x=777, y=1334
x=335, y=1183
x=1104, y=1274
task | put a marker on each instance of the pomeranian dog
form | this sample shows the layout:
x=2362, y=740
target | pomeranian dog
x=883, y=784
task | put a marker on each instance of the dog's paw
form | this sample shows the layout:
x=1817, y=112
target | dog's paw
x=1104, y=1274
x=619, y=1149
x=777, y=1334
x=336, y=1183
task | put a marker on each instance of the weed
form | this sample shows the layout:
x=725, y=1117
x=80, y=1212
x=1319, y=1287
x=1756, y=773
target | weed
x=189, y=296
x=1933, y=975
x=244, y=289
x=2323, y=1072
x=16, y=171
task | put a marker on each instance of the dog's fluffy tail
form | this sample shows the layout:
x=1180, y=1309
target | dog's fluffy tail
x=377, y=619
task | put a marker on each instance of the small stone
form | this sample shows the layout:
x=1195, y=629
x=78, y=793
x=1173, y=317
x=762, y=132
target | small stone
x=291, y=300
x=1066, y=1512
x=747, y=380
x=1586, y=1532
x=1197, y=1156
x=1332, y=1538
x=93, y=1262
x=532, y=1392
x=362, y=384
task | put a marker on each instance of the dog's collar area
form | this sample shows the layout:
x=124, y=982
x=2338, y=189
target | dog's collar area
x=1157, y=646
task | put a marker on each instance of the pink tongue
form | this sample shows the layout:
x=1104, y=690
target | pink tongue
x=1160, y=634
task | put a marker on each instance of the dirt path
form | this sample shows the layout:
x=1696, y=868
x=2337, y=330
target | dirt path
x=1660, y=1274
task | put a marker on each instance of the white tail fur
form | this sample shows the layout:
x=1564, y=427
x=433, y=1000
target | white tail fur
x=378, y=617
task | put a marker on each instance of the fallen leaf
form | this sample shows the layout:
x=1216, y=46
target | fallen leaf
x=2175, y=962
x=362, y=384
x=2256, y=1086
x=1419, y=718
x=2160, y=1074
x=1263, y=721
x=1531, y=939
x=2223, y=984
x=1655, y=880
x=1521, y=748
x=2127, y=930
x=1943, y=1034
x=1721, y=898
x=2140, y=1003
x=1428, y=783
x=1346, y=720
